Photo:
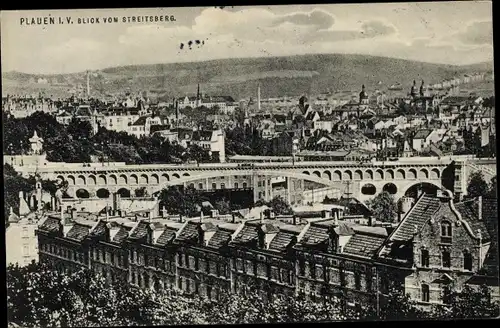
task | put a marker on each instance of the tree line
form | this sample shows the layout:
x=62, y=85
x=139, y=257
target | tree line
x=38, y=296
x=76, y=143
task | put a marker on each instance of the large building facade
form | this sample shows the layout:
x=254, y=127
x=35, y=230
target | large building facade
x=437, y=246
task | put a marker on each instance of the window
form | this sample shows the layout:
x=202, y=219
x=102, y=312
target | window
x=25, y=232
x=186, y=257
x=446, y=232
x=200, y=186
x=312, y=269
x=446, y=259
x=244, y=184
x=467, y=261
x=424, y=258
x=222, y=186
x=214, y=186
x=446, y=294
x=357, y=280
x=239, y=264
x=196, y=264
x=236, y=185
x=425, y=293
x=179, y=256
x=26, y=250
x=302, y=267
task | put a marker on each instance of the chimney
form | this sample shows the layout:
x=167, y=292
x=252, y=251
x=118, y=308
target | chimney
x=68, y=209
x=123, y=213
x=371, y=221
x=181, y=219
x=294, y=220
x=136, y=218
x=262, y=217
x=336, y=219
x=73, y=213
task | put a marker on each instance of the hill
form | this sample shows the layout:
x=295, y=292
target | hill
x=239, y=77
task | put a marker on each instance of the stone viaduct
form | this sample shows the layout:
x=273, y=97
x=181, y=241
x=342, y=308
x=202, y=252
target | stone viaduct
x=361, y=180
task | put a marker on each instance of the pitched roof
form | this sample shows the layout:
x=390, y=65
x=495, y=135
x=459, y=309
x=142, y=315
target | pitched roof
x=220, y=237
x=167, y=234
x=248, y=232
x=140, y=121
x=422, y=211
x=140, y=231
x=422, y=134
x=188, y=232
x=122, y=234
x=469, y=212
x=281, y=240
x=51, y=224
x=315, y=234
x=78, y=232
x=364, y=245
x=99, y=229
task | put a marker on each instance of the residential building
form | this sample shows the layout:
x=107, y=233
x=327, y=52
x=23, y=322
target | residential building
x=438, y=246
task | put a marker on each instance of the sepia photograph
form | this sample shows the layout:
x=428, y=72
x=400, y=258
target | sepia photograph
x=226, y=165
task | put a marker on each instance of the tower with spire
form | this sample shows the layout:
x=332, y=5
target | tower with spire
x=422, y=89
x=363, y=96
x=413, y=90
x=36, y=144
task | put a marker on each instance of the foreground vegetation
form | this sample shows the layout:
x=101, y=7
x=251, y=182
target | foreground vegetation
x=38, y=296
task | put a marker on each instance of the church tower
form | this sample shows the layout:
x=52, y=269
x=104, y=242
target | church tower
x=363, y=96
x=413, y=91
x=422, y=89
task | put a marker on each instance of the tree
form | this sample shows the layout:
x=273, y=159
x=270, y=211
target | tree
x=279, y=206
x=397, y=306
x=477, y=185
x=383, y=207
x=79, y=129
x=13, y=184
x=223, y=206
x=198, y=154
x=469, y=303
x=141, y=192
x=185, y=202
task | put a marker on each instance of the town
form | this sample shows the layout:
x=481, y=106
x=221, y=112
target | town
x=337, y=242
x=131, y=202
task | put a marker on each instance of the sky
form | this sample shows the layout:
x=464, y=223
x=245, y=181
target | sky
x=457, y=32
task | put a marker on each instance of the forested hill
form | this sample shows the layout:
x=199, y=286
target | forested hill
x=239, y=77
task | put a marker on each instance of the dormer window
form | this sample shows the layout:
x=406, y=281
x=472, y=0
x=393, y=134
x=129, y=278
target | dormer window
x=446, y=233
